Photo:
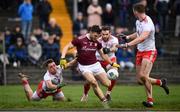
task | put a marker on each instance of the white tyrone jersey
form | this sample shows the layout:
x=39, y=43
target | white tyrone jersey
x=109, y=44
x=148, y=43
x=56, y=79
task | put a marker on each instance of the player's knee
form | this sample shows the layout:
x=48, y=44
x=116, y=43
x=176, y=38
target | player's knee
x=94, y=83
x=143, y=78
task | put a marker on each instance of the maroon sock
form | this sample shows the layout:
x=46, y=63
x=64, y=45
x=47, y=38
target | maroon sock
x=113, y=82
x=86, y=88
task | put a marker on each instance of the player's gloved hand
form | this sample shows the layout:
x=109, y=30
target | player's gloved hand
x=63, y=62
x=123, y=45
x=123, y=36
x=60, y=85
x=115, y=65
x=106, y=50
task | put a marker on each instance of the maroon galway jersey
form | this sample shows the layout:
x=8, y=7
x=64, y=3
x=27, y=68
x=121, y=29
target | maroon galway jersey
x=86, y=50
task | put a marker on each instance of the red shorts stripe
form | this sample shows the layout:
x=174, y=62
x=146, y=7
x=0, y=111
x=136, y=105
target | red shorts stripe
x=42, y=94
x=150, y=55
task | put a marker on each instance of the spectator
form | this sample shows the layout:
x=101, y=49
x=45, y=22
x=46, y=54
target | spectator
x=2, y=57
x=45, y=37
x=123, y=12
x=44, y=10
x=17, y=34
x=82, y=6
x=7, y=4
x=54, y=30
x=162, y=6
x=26, y=14
x=108, y=15
x=38, y=33
x=124, y=58
x=51, y=50
x=94, y=12
x=151, y=10
x=78, y=25
x=159, y=41
x=8, y=38
x=17, y=53
x=177, y=11
x=34, y=50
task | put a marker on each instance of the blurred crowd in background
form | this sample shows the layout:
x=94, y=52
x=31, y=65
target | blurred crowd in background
x=26, y=44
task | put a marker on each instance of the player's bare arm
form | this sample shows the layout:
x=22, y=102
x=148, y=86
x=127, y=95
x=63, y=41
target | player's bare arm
x=71, y=63
x=132, y=36
x=104, y=56
x=142, y=37
x=66, y=48
x=50, y=85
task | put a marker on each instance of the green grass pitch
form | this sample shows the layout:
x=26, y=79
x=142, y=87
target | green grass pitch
x=124, y=97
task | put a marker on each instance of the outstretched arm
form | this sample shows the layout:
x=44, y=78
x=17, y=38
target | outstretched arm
x=66, y=48
x=71, y=63
x=132, y=36
x=136, y=41
x=104, y=56
x=142, y=37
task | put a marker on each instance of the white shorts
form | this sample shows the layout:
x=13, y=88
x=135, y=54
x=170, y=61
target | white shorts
x=35, y=96
x=95, y=68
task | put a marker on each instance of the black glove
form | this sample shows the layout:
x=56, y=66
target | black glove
x=123, y=45
x=123, y=36
x=106, y=50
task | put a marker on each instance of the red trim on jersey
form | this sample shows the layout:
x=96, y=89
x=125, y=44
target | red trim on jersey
x=144, y=19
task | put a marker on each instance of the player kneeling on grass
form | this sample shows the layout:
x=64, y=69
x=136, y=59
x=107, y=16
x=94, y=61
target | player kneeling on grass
x=50, y=85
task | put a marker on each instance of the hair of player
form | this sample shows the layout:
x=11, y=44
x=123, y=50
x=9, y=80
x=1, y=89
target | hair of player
x=139, y=8
x=105, y=28
x=95, y=28
x=46, y=63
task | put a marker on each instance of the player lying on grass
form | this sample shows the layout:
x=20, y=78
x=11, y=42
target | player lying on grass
x=50, y=85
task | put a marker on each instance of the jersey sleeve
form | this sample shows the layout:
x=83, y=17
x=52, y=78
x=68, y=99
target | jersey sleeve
x=47, y=77
x=115, y=41
x=147, y=26
x=75, y=42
